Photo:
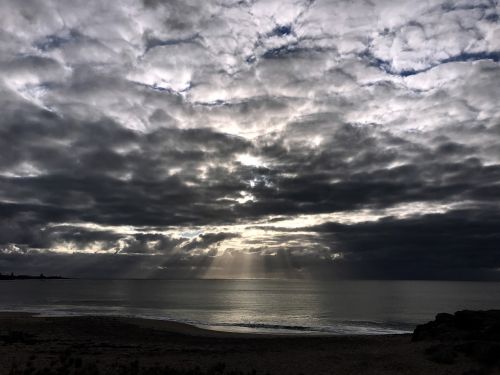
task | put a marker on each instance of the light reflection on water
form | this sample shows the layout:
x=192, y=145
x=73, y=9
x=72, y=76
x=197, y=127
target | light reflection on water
x=337, y=307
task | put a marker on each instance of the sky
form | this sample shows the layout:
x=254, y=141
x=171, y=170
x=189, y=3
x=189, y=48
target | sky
x=239, y=139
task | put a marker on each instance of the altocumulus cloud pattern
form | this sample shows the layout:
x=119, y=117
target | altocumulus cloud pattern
x=250, y=138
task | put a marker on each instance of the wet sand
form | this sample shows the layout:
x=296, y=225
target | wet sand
x=111, y=345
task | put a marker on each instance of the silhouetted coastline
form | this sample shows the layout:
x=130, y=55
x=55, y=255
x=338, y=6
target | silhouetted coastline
x=12, y=276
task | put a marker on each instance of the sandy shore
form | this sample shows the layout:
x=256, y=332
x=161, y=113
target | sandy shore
x=107, y=345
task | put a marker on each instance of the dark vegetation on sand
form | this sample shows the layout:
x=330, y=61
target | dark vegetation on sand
x=68, y=364
x=465, y=343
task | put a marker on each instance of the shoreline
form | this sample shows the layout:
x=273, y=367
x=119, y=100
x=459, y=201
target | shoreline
x=169, y=326
x=104, y=345
x=260, y=329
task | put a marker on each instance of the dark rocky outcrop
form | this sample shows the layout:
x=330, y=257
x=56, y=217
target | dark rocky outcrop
x=463, y=325
x=475, y=334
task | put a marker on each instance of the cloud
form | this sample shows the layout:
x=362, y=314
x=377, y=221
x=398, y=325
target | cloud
x=459, y=244
x=165, y=135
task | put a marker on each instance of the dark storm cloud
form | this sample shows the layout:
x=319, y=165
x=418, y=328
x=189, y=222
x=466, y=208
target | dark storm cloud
x=103, y=173
x=358, y=167
x=459, y=244
x=116, y=176
x=216, y=119
x=137, y=187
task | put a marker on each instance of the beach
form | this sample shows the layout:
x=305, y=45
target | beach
x=30, y=344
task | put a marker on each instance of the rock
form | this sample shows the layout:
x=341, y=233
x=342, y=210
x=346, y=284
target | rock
x=463, y=325
x=475, y=334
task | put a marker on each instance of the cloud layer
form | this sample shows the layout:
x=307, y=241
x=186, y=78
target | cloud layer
x=250, y=139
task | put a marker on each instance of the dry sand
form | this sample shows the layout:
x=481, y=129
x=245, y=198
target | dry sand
x=108, y=345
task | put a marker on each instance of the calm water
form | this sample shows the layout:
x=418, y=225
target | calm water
x=338, y=307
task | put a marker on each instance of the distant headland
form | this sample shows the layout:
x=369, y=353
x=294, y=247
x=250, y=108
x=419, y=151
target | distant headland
x=11, y=276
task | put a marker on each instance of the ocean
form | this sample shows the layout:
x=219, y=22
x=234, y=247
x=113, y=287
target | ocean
x=270, y=306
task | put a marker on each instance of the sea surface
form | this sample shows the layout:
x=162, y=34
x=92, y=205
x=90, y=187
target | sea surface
x=260, y=306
